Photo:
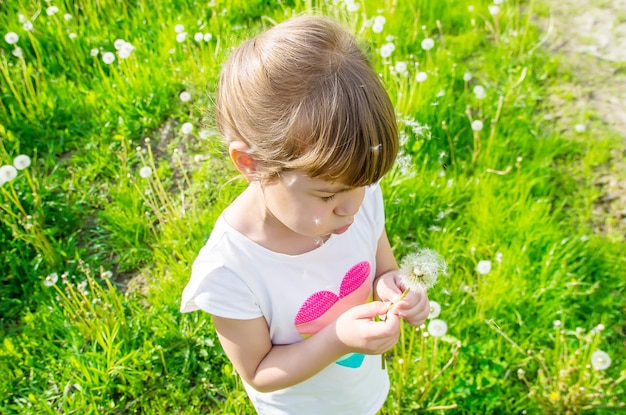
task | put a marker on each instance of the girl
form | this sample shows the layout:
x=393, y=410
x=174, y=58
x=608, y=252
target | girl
x=297, y=268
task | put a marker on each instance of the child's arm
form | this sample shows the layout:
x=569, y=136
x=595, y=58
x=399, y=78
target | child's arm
x=414, y=308
x=267, y=367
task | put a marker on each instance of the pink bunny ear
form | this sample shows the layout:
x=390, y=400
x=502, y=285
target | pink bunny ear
x=315, y=306
x=355, y=277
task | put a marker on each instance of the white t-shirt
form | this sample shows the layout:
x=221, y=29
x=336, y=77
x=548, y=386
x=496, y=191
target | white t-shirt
x=233, y=277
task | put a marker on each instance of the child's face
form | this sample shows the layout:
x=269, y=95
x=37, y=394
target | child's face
x=312, y=207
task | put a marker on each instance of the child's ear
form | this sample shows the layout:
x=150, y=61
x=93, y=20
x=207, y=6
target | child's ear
x=244, y=162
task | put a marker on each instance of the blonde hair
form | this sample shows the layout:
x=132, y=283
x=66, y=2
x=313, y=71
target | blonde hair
x=302, y=95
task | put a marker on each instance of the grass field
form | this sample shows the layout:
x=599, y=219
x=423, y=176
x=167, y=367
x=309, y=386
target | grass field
x=111, y=103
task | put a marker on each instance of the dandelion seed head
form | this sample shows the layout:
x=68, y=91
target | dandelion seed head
x=387, y=49
x=17, y=52
x=467, y=76
x=480, y=92
x=600, y=360
x=68, y=16
x=21, y=162
x=498, y=2
x=420, y=269
x=7, y=173
x=352, y=7
x=428, y=44
x=94, y=52
x=11, y=38
x=483, y=267
x=179, y=28
x=421, y=76
x=437, y=327
x=118, y=43
x=21, y=18
x=499, y=257
x=494, y=9
x=72, y=35
x=208, y=37
x=580, y=128
x=180, y=38
x=435, y=310
x=401, y=67
x=378, y=27
x=108, y=58
x=187, y=128
x=145, y=172
x=52, y=10
x=28, y=25
x=557, y=323
x=185, y=96
x=198, y=37
x=51, y=279
x=477, y=125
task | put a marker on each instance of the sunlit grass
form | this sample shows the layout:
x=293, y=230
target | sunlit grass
x=95, y=250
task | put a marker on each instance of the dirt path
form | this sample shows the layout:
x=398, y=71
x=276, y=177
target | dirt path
x=590, y=36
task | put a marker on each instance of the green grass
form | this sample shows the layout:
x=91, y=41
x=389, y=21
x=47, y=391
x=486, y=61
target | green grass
x=518, y=193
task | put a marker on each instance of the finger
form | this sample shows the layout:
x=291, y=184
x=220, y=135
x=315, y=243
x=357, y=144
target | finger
x=370, y=310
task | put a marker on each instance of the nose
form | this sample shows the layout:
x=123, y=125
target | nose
x=350, y=202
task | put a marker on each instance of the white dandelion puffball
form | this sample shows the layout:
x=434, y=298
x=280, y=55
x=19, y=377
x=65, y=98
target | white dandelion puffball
x=185, y=96
x=467, y=76
x=28, y=25
x=498, y=2
x=483, y=267
x=118, y=44
x=401, y=67
x=421, y=77
x=600, y=360
x=477, y=125
x=94, y=52
x=580, y=128
x=7, y=173
x=387, y=49
x=68, y=16
x=352, y=7
x=421, y=269
x=51, y=279
x=108, y=57
x=198, y=37
x=145, y=172
x=187, y=128
x=428, y=44
x=125, y=50
x=435, y=310
x=21, y=162
x=52, y=10
x=180, y=38
x=479, y=92
x=208, y=37
x=17, y=52
x=494, y=10
x=11, y=38
x=179, y=28
x=437, y=327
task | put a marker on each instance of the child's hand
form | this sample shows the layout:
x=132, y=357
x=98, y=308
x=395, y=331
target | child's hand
x=414, y=307
x=357, y=330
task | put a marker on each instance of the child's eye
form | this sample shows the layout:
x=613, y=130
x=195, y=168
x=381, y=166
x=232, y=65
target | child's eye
x=328, y=198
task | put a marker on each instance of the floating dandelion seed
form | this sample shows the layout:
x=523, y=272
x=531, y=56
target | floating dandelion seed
x=51, y=279
x=437, y=327
x=145, y=172
x=421, y=269
x=479, y=92
x=421, y=76
x=11, y=38
x=435, y=310
x=7, y=173
x=185, y=96
x=483, y=267
x=108, y=57
x=600, y=360
x=467, y=76
x=477, y=125
x=187, y=128
x=21, y=162
x=428, y=44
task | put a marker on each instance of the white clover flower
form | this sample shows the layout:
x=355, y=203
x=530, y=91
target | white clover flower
x=145, y=172
x=467, y=76
x=483, y=267
x=198, y=37
x=387, y=49
x=185, y=96
x=28, y=26
x=580, y=128
x=187, y=128
x=208, y=37
x=401, y=67
x=11, y=38
x=180, y=38
x=428, y=44
x=52, y=10
x=421, y=269
x=479, y=92
x=477, y=125
x=494, y=10
x=68, y=16
x=94, y=52
x=51, y=279
x=421, y=76
x=437, y=328
x=435, y=310
x=600, y=360
x=17, y=52
x=118, y=43
x=7, y=173
x=108, y=57
x=21, y=162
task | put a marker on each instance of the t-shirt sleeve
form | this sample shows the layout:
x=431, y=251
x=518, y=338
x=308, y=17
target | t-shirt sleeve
x=218, y=291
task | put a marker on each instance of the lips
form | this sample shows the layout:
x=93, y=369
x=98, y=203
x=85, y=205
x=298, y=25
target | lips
x=342, y=229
